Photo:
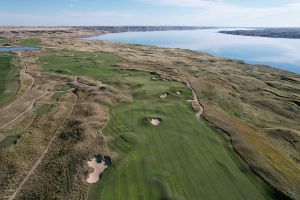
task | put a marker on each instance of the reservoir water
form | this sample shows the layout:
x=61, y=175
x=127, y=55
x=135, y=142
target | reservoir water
x=276, y=52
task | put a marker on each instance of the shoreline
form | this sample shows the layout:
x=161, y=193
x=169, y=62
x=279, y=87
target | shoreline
x=91, y=38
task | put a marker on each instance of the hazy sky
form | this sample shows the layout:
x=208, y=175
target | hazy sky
x=151, y=12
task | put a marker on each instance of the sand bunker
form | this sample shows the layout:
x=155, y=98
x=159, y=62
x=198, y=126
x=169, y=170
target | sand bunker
x=98, y=169
x=164, y=95
x=155, y=121
x=179, y=92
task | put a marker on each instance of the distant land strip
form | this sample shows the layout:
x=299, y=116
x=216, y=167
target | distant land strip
x=291, y=33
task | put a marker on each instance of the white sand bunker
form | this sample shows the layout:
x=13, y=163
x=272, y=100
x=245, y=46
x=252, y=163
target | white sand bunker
x=164, y=95
x=178, y=92
x=155, y=121
x=98, y=169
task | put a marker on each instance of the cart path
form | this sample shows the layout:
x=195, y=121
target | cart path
x=195, y=98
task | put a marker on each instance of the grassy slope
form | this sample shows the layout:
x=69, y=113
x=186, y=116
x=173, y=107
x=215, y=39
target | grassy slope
x=4, y=42
x=183, y=157
x=30, y=42
x=9, y=77
x=95, y=65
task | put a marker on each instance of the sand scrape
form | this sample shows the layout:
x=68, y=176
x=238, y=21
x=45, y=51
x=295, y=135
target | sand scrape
x=98, y=170
x=155, y=121
x=164, y=95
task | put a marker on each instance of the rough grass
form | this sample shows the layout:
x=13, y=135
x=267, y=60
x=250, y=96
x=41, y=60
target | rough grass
x=9, y=77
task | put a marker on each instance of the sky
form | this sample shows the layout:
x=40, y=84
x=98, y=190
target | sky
x=240, y=13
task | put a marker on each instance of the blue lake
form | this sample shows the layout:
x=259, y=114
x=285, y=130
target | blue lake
x=10, y=49
x=279, y=53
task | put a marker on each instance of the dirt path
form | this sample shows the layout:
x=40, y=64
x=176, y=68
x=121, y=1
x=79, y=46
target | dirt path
x=34, y=167
x=26, y=111
x=86, y=85
x=196, y=99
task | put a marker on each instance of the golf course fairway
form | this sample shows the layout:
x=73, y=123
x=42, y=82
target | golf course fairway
x=177, y=157
x=9, y=78
x=181, y=158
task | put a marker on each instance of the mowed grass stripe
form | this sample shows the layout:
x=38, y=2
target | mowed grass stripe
x=183, y=158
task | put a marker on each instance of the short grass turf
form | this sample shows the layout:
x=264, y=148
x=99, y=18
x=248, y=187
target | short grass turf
x=94, y=65
x=4, y=42
x=9, y=77
x=182, y=158
x=30, y=42
x=10, y=140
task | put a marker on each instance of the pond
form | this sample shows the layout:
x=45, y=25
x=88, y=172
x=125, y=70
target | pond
x=10, y=49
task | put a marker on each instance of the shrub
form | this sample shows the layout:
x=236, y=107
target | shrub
x=72, y=132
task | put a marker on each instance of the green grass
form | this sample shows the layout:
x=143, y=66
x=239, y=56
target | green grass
x=30, y=42
x=94, y=65
x=100, y=66
x=4, y=42
x=182, y=158
x=10, y=140
x=45, y=108
x=9, y=77
x=58, y=95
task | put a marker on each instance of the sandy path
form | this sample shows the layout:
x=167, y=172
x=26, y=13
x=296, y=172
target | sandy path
x=196, y=99
x=34, y=167
x=27, y=110
x=85, y=85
